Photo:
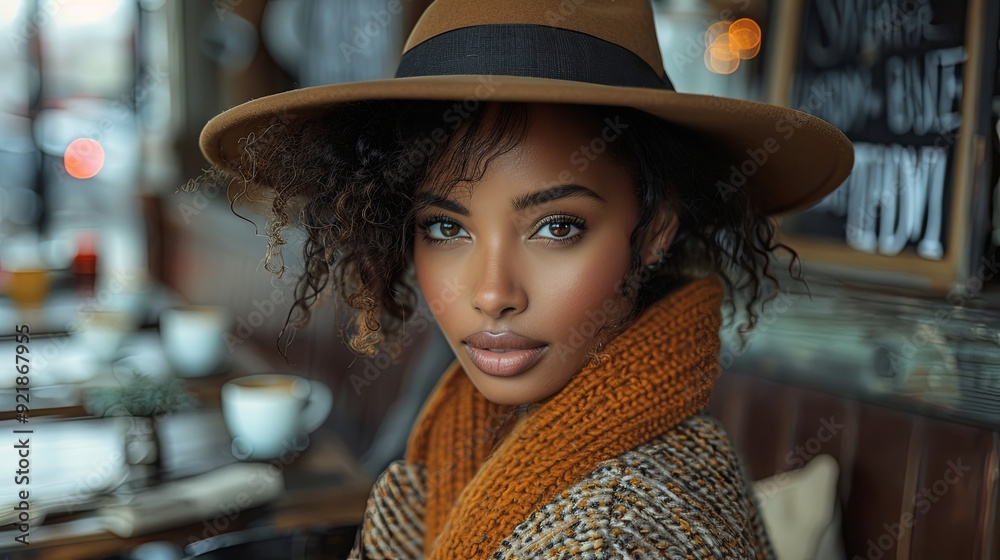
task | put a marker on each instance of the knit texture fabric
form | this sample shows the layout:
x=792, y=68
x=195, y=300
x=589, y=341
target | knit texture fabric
x=454, y=496
x=683, y=494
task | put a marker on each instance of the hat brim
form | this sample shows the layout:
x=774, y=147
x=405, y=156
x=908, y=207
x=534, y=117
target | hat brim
x=785, y=159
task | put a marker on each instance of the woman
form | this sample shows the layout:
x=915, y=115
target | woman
x=572, y=224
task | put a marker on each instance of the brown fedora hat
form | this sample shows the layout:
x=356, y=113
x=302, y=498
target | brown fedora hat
x=600, y=52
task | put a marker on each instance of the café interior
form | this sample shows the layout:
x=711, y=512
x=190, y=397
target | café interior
x=865, y=407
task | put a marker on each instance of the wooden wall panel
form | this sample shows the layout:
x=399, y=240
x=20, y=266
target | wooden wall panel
x=887, y=459
x=953, y=491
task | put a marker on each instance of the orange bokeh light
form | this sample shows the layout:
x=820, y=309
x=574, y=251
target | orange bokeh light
x=721, y=66
x=721, y=48
x=726, y=43
x=745, y=33
x=84, y=158
x=744, y=38
x=747, y=54
x=714, y=30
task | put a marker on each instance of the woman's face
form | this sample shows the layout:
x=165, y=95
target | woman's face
x=520, y=273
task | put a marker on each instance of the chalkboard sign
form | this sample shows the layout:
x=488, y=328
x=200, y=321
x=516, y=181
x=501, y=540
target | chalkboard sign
x=904, y=80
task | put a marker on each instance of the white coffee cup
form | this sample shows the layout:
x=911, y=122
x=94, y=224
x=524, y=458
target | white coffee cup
x=193, y=338
x=101, y=332
x=271, y=414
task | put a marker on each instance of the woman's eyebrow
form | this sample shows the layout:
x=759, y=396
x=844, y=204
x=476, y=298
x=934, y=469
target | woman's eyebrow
x=427, y=198
x=518, y=204
x=553, y=193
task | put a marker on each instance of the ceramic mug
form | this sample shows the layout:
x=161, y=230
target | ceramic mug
x=271, y=414
x=193, y=338
x=101, y=332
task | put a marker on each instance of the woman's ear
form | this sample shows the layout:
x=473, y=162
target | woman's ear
x=659, y=236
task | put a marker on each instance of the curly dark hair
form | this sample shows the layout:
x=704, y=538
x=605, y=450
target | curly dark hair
x=348, y=179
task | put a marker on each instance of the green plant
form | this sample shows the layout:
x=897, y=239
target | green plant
x=142, y=396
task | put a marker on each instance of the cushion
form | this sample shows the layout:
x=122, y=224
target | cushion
x=801, y=512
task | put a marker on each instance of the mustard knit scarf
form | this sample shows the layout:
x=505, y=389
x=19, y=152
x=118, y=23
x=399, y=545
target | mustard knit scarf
x=652, y=376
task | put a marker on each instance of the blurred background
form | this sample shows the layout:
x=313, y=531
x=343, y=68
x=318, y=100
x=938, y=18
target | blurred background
x=133, y=314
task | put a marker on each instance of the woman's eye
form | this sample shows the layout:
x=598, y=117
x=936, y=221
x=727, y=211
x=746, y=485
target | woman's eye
x=559, y=230
x=443, y=230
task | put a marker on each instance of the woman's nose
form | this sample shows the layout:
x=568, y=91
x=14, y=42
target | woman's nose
x=497, y=289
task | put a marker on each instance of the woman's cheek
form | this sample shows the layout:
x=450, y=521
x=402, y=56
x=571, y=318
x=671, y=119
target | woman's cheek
x=601, y=294
x=438, y=282
x=424, y=269
x=580, y=291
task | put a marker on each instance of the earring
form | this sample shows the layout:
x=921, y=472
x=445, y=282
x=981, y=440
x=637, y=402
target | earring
x=661, y=257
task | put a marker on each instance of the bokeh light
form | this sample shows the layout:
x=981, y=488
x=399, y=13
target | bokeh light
x=721, y=66
x=744, y=38
x=84, y=158
x=721, y=49
x=729, y=42
x=716, y=29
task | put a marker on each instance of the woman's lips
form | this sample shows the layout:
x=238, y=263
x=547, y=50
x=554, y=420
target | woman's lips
x=505, y=363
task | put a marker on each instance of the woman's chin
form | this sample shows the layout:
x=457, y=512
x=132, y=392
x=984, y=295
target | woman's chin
x=509, y=391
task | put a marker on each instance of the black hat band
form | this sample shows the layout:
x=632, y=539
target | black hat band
x=529, y=50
